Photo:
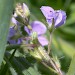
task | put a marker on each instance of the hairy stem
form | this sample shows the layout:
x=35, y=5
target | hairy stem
x=51, y=62
x=50, y=42
x=48, y=67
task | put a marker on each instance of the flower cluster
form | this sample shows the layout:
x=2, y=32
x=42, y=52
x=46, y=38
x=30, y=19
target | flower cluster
x=36, y=26
x=40, y=29
x=59, y=16
x=23, y=12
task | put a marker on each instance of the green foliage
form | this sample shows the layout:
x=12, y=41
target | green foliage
x=20, y=66
x=63, y=44
x=6, y=7
x=71, y=70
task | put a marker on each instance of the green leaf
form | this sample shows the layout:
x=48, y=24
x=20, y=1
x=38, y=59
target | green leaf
x=32, y=71
x=71, y=70
x=6, y=7
x=13, y=72
x=66, y=47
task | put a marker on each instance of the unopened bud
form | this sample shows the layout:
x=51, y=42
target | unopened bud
x=40, y=53
x=43, y=53
x=22, y=10
x=26, y=10
x=36, y=54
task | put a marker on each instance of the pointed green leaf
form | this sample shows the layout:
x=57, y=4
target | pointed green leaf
x=71, y=70
x=6, y=7
x=32, y=71
x=13, y=72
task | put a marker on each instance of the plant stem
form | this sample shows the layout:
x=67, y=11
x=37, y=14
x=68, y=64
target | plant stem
x=55, y=68
x=51, y=62
x=45, y=64
x=48, y=67
x=49, y=43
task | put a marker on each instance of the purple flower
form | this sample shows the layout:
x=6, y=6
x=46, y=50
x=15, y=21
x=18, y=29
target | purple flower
x=13, y=31
x=11, y=34
x=59, y=16
x=14, y=21
x=40, y=28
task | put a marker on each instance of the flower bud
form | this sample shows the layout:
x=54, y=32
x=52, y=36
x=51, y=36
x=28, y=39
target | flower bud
x=26, y=10
x=43, y=53
x=22, y=10
x=40, y=53
x=36, y=54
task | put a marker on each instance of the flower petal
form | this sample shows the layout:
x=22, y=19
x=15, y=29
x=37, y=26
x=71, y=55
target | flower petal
x=14, y=21
x=38, y=27
x=26, y=10
x=11, y=32
x=19, y=41
x=61, y=18
x=27, y=30
x=12, y=41
x=42, y=40
x=47, y=11
x=49, y=21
